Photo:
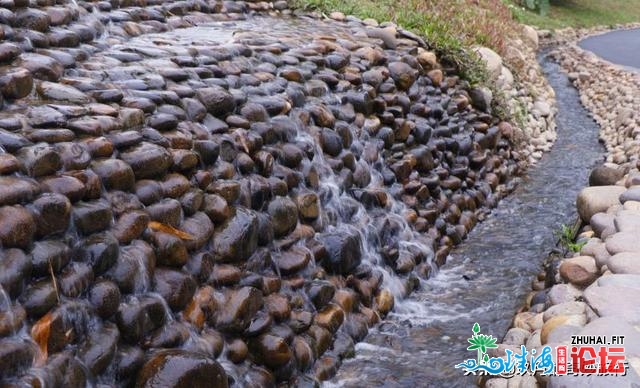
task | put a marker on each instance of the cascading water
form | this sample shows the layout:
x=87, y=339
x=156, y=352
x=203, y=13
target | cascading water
x=158, y=187
x=487, y=276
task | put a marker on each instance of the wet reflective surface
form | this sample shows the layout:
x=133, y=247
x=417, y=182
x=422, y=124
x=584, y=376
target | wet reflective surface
x=487, y=278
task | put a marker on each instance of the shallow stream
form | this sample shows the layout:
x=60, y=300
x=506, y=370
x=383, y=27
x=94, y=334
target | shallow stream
x=488, y=276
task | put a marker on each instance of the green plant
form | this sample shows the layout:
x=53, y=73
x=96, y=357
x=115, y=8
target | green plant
x=566, y=236
x=541, y=6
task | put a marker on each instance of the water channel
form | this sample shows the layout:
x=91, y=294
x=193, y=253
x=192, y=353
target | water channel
x=488, y=276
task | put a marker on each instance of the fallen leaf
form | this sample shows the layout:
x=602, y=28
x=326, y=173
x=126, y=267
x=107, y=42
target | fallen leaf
x=40, y=334
x=164, y=228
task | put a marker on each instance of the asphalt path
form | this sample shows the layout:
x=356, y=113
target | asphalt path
x=620, y=47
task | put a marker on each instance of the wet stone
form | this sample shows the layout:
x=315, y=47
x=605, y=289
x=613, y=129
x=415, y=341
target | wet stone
x=39, y=298
x=17, y=227
x=240, y=308
x=39, y=160
x=172, y=368
x=16, y=190
x=148, y=191
x=134, y=269
x=15, y=270
x=147, y=160
x=60, y=92
x=343, y=250
x=100, y=251
x=284, y=215
x=100, y=348
x=293, y=260
x=75, y=279
x=68, y=186
x=138, y=317
x=53, y=212
x=105, y=298
x=16, y=357
x=41, y=66
x=176, y=287
x=167, y=211
x=130, y=226
x=217, y=100
x=170, y=250
x=320, y=292
x=270, y=350
x=8, y=52
x=91, y=217
x=236, y=239
x=16, y=83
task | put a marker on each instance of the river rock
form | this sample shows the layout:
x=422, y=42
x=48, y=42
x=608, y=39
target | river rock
x=605, y=301
x=180, y=368
x=98, y=352
x=66, y=185
x=284, y=215
x=293, y=260
x=16, y=357
x=53, y=212
x=41, y=66
x=15, y=270
x=236, y=239
x=240, y=308
x=138, y=317
x=622, y=242
x=17, y=227
x=16, y=190
x=114, y=173
x=624, y=263
x=63, y=93
x=270, y=350
x=605, y=175
x=343, y=251
x=602, y=221
x=147, y=160
x=105, y=298
x=217, y=100
x=40, y=159
x=567, y=308
x=176, y=287
x=580, y=271
x=92, y=217
x=592, y=200
x=39, y=298
x=492, y=60
x=48, y=255
x=16, y=83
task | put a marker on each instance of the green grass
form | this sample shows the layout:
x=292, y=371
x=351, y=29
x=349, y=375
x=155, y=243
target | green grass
x=579, y=13
x=448, y=26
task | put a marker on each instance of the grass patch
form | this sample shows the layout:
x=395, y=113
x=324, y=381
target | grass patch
x=579, y=13
x=448, y=26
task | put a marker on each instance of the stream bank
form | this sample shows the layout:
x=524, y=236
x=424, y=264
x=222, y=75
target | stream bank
x=595, y=291
x=489, y=275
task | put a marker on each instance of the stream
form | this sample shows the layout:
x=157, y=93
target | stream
x=488, y=276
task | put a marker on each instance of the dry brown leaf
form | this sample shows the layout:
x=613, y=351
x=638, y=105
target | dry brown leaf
x=40, y=333
x=164, y=228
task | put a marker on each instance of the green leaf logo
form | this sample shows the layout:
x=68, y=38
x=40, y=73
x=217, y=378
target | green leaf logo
x=480, y=343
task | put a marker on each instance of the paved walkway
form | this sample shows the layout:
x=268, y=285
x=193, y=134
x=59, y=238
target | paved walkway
x=620, y=47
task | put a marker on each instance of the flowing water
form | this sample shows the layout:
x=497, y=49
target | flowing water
x=488, y=276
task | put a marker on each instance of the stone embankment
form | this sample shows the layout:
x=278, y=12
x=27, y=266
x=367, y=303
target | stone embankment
x=187, y=206
x=596, y=291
